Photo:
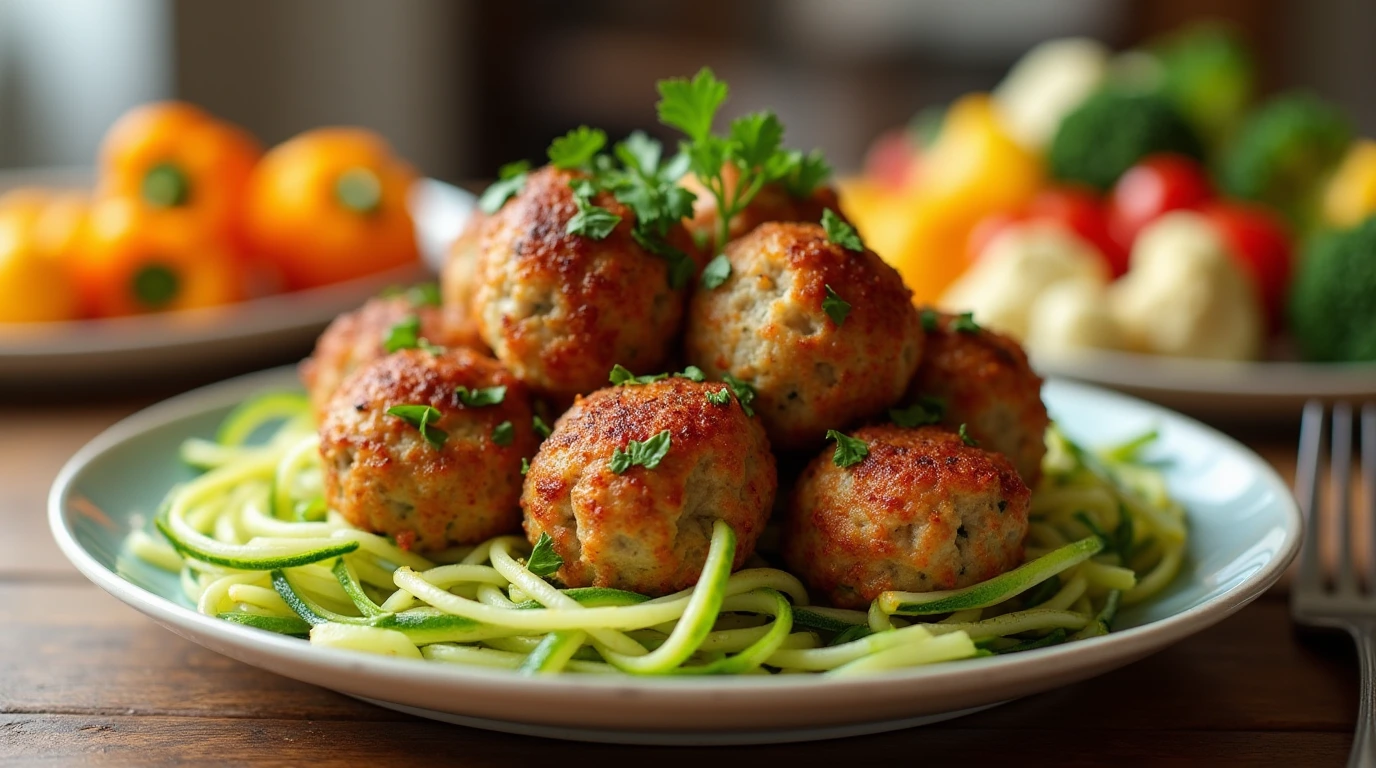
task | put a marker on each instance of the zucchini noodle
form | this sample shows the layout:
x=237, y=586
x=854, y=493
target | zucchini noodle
x=253, y=543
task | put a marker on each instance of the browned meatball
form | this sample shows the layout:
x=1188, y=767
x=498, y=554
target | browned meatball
x=772, y=203
x=559, y=309
x=767, y=325
x=985, y=382
x=356, y=338
x=384, y=475
x=648, y=529
x=922, y=512
x=458, y=282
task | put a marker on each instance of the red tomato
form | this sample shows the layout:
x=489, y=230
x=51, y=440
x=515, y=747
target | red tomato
x=892, y=158
x=1160, y=183
x=1077, y=209
x=1260, y=242
x=1083, y=212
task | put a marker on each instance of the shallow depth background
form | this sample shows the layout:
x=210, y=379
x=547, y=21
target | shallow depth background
x=460, y=87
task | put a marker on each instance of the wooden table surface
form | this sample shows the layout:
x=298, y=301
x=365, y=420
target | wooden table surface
x=85, y=680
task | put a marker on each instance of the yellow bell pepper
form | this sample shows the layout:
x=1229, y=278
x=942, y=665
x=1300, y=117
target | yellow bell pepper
x=34, y=285
x=975, y=168
x=1351, y=194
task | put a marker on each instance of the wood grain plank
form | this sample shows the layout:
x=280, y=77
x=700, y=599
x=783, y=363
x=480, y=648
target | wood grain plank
x=71, y=649
x=118, y=740
x=34, y=444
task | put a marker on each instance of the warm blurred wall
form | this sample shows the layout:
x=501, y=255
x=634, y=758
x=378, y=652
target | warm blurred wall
x=279, y=67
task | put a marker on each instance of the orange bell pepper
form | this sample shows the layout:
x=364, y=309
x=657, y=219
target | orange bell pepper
x=35, y=285
x=330, y=205
x=182, y=162
x=975, y=168
x=131, y=260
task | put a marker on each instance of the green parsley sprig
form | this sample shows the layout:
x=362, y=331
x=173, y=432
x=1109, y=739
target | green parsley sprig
x=422, y=418
x=753, y=146
x=482, y=396
x=836, y=307
x=511, y=179
x=543, y=559
x=849, y=450
x=841, y=233
x=405, y=334
x=645, y=454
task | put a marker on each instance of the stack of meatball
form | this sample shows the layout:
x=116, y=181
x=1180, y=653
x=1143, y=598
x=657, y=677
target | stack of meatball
x=542, y=316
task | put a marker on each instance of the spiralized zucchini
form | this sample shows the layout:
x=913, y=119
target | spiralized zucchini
x=253, y=543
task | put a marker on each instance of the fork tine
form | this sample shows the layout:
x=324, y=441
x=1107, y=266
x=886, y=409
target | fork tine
x=1340, y=474
x=1307, y=493
x=1369, y=484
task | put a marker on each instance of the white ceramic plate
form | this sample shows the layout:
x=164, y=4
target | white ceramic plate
x=1244, y=530
x=212, y=339
x=1217, y=390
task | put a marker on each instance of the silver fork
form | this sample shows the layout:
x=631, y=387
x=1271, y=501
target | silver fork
x=1344, y=604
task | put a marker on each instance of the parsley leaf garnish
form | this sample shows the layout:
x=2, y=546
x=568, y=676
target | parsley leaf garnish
x=841, y=233
x=540, y=427
x=421, y=417
x=620, y=375
x=405, y=334
x=692, y=373
x=753, y=145
x=720, y=397
x=930, y=319
x=716, y=272
x=543, y=559
x=576, y=148
x=849, y=451
x=525, y=466
x=424, y=295
x=646, y=454
x=590, y=221
x=805, y=173
x=743, y=392
x=477, y=398
x=927, y=410
x=965, y=437
x=965, y=323
x=503, y=433
x=511, y=180
x=836, y=308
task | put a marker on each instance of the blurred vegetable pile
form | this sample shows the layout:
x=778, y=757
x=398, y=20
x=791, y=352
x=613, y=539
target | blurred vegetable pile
x=187, y=211
x=1144, y=201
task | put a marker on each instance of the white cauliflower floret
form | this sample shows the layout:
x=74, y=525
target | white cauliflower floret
x=1046, y=84
x=1183, y=295
x=1016, y=267
x=1072, y=316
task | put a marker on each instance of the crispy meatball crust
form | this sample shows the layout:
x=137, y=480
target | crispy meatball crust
x=987, y=384
x=765, y=325
x=356, y=338
x=922, y=512
x=772, y=203
x=458, y=282
x=648, y=530
x=383, y=475
x=560, y=310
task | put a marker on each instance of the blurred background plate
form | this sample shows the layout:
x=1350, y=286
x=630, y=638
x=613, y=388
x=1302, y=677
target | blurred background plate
x=201, y=344
x=1218, y=391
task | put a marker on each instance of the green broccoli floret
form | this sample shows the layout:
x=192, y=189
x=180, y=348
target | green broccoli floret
x=1284, y=151
x=1111, y=131
x=1333, y=298
x=1207, y=71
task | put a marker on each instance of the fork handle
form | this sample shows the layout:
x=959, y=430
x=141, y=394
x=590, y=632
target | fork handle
x=1364, y=743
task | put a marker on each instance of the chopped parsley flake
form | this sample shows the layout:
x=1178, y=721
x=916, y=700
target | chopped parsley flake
x=692, y=373
x=576, y=148
x=965, y=437
x=927, y=410
x=525, y=466
x=720, y=397
x=477, y=398
x=543, y=559
x=541, y=428
x=421, y=417
x=511, y=179
x=849, y=450
x=841, y=233
x=743, y=392
x=836, y=308
x=503, y=433
x=717, y=271
x=645, y=454
x=405, y=334
x=930, y=320
x=620, y=375
x=965, y=323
